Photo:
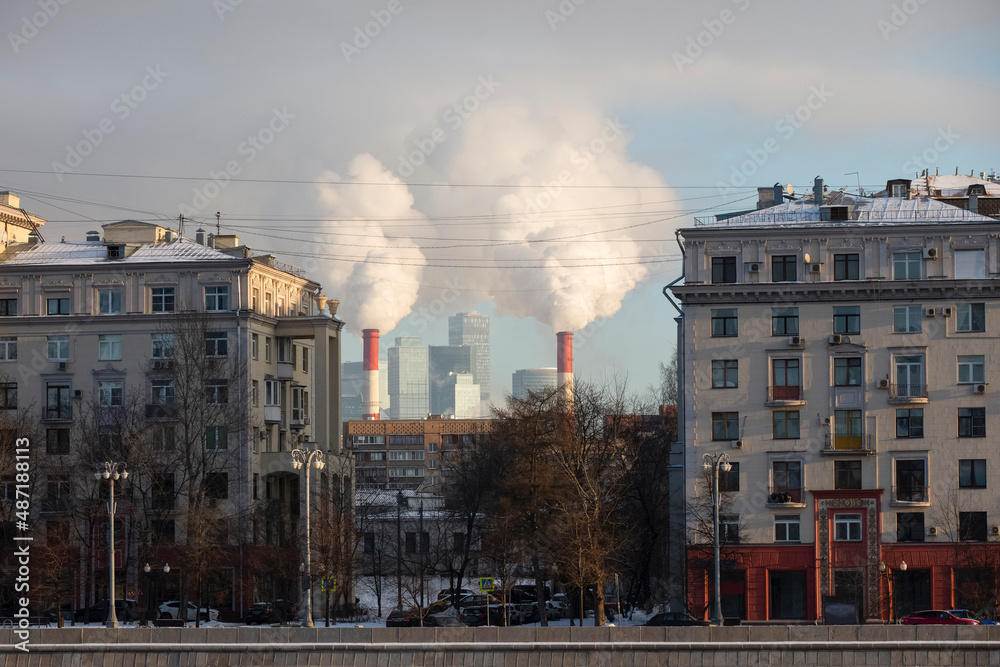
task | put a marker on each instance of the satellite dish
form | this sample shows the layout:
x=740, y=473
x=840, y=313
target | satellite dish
x=788, y=188
x=806, y=258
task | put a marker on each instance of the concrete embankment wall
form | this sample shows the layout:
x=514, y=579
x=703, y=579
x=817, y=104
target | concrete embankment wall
x=544, y=647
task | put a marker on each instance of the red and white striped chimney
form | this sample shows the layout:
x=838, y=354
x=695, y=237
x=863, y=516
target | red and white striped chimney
x=564, y=363
x=370, y=402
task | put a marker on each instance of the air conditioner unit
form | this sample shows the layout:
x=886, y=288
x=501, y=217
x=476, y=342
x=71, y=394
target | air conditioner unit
x=996, y=530
x=307, y=421
x=814, y=268
x=795, y=341
x=947, y=312
x=930, y=253
x=883, y=384
x=738, y=444
x=77, y=393
x=835, y=339
x=754, y=267
x=930, y=312
x=980, y=388
x=932, y=530
x=62, y=365
x=827, y=421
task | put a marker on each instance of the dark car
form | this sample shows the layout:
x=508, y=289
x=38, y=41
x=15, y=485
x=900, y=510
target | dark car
x=477, y=615
x=937, y=617
x=398, y=618
x=261, y=612
x=442, y=621
x=675, y=619
x=124, y=610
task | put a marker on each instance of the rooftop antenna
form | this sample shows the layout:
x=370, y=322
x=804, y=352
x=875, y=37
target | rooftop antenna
x=861, y=193
x=218, y=223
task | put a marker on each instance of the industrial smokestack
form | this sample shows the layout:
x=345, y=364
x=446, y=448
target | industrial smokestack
x=564, y=363
x=369, y=402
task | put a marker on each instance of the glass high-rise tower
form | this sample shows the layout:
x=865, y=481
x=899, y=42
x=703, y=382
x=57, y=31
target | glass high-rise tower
x=473, y=329
x=408, y=391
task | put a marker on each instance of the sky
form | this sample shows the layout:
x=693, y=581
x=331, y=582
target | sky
x=528, y=160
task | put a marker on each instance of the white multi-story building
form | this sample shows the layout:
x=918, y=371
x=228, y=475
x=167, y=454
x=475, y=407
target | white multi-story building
x=841, y=350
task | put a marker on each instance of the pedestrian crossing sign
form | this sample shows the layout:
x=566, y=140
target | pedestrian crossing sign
x=485, y=584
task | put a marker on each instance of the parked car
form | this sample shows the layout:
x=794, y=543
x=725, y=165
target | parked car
x=98, y=613
x=398, y=618
x=675, y=619
x=475, y=616
x=556, y=609
x=442, y=621
x=171, y=609
x=260, y=613
x=965, y=613
x=462, y=592
x=937, y=617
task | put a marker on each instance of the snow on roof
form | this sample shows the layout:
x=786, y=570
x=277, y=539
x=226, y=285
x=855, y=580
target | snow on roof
x=97, y=253
x=867, y=211
x=952, y=185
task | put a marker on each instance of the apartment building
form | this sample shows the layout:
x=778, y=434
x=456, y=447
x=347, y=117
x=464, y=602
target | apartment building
x=840, y=351
x=97, y=350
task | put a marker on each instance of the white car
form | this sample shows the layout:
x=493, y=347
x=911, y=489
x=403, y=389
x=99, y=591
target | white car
x=171, y=609
x=556, y=609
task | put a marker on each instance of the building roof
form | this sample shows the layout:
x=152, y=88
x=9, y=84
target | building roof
x=951, y=185
x=866, y=211
x=81, y=253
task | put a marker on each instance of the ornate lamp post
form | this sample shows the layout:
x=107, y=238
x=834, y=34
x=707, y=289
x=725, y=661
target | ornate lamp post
x=887, y=571
x=306, y=458
x=111, y=471
x=150, y=602
x=715, y=463
x=400, y=502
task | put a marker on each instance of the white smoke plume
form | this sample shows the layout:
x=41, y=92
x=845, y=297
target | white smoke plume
x=588, y=269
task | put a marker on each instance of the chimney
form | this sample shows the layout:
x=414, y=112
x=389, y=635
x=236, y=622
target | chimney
x=199, y=237
x=564, y=363
x=818, y=191
x=973, y=204
x=93, y=236
x=369, y=400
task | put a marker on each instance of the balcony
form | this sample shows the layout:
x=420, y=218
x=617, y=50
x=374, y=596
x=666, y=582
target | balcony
x=277, y=462
x=907, y=393
x=158, y=411
x=911, y=495
x=784, y=395
x=785, y=497
x=272, y=413
x=285, y=370
x=850, y=445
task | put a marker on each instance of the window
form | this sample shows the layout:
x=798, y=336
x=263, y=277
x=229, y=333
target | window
x=847, y=475
x=786, y=425
x=970, y=264
x=216, y=438
x=164, y=437
x=906, y=319
x=972, y=526
x=216, y=344
x=109, y=347
x=267, y=349
x=783, y=268
x=971, y=317
x=298, y=404
x=217, y=392
x=369, y=547
x=57, y=401
x=267, y=303
x=847, y=319
x=787, y=480
x=272, y=393
x=406, y=439
x=58, y=348
x=910, y=527
x=786, y=528
x=909, y=376
x=8, y=307
x=163, y=346
x=910, y=423
x=788, y=593
x=217, y=298
x=163, y=531
x=109, y=301
x=911, y=480
x=848, y=429
x=8, y=396
x=784, y=321
x=217, y=485
x=847, y=527
x=730, y=481
x=162, y=392
x=8, y=348
x=376, y=456
x=111, y=393
x=846, y=267
x=725, y=373
x=57, y=441
x=255, y=393
x=58, y=306
x=723, y=269
x=162, y=491
x=724, y=322
x=787, y=380
x=971, y=368
x=972, y=422
x=255, y=299
x=906, y=266
x=58, y=496
x=305, y=360
x=972, y=474
x=725, y=426
x=163, y=299
x=729, y=528
x=254, y=345
x=847, y=371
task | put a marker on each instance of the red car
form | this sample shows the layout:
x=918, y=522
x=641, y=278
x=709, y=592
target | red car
x=937, y=617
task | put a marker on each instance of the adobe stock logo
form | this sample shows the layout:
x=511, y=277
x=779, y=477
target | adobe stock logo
x=37, y=21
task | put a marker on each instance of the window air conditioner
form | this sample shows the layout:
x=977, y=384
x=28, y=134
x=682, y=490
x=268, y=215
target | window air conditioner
x=738, y=444
x=827, y=421
x=980, y=388
x=932, y=530
x=77, y=393
x=754, y=267
x=930, y=312
x=947, y=312
x=930, y=253
x=795, y=341
x=835, y=339
x=814, y=268
x=996, y=530
x=883, y=384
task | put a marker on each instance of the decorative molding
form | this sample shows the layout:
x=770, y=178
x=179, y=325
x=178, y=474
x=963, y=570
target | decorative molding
x=162, y=279
x=870, y=505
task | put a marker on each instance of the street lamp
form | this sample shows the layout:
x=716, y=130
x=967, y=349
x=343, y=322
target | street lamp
x=887, y=571
x=400, y=502
x=111, y=471
x=150, y=603
x=306, y=458
x=715, y=463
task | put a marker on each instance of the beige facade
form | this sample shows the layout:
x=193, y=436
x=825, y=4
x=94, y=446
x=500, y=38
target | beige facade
x=842, y=353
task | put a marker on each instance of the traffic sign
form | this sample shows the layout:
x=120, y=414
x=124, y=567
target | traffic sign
x=485, y=584
x=328, y=584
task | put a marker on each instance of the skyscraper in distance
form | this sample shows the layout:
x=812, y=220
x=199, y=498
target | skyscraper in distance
x=473, y=329
x=408, y=393
x=532, y=379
